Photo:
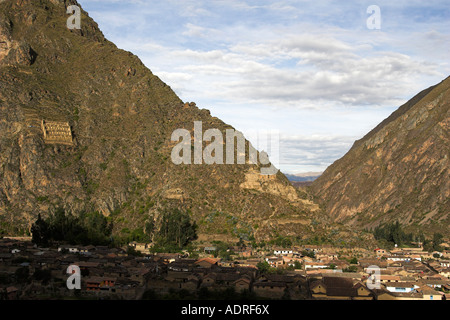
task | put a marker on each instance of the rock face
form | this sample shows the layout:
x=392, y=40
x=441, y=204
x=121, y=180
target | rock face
x=116, y=119
x=398, y=171
x=270, y=184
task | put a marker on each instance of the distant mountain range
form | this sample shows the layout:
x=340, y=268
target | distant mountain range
x=300, y=177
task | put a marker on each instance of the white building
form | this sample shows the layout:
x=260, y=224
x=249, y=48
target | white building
x=401, y=287
x=281, y=251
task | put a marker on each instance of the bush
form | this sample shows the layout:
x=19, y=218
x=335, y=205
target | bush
x=175, y=229
x=92, y=228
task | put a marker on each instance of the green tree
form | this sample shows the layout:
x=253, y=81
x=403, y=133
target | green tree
x=351, y=269
x=392, y=233
x=176, y=229
x=40, y=232
x=133, y=252
x=263, y=267
x=308, y=253
x=353, y=261
x=437, y=240
x=86, y=229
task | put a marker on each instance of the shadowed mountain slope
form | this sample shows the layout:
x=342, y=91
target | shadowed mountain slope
x=399, y=171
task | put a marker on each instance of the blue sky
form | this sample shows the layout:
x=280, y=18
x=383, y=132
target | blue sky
x=310, y=70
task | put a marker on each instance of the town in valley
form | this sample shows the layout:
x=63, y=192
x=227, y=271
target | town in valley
x=309, y=272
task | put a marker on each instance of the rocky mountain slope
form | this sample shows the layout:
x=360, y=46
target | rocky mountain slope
x=87, y=127
x=398, y=172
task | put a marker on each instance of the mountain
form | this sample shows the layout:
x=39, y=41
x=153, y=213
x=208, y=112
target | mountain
x=399, y=171
x=86, y=127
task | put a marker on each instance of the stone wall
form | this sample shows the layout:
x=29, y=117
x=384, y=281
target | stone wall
x=57, y=132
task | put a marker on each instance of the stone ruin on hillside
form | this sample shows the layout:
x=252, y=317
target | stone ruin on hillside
x=57, y=132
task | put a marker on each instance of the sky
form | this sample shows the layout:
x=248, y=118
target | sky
x=320, y=74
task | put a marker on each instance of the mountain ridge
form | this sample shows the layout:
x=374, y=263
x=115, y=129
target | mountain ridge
x=399, y=171
x=117, y=157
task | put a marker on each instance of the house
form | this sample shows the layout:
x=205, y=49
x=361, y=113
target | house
x=191, y=284
x=414, y=267
x=5, y=257
x=274, y=290
x=116, y=271
x=166, y=257
x=140, y=275
x=179, y=266
x=243, y=251
x=243, y=283
x=86, y=266
x=281, y=278
x=416, y=257
x=71, y=249
x=445, y=273
x=444, y=263
x=251, y=271
x=207, y=262
x=288, y=260
x=384, y=294
x=177, y=281
x=209, y=280
x=12, y=293
x=313, y=248
x=401, y=287
x=380, y=252
x=99, y=284
x=340, y=288
x=275, y=262
x=327, y=256
x=140, y=247
x=389, y=278
x=362, y=292
x=227, y=279
x=339, y=264
x=398, y=258
x=125, y=289
x=411, y=251
x=220, y=280
x=249, y=262
x=227, y=264
x=178, y=276
x=365, y=263
x=435, y=283
x=210, y=250
x=34, y=289
x=315, y=265
x=282, y=251
x=430, y=294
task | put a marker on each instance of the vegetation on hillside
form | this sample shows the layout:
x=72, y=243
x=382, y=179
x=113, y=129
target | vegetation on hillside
x=391, y=234
x=173, y=230
x=92, y=228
